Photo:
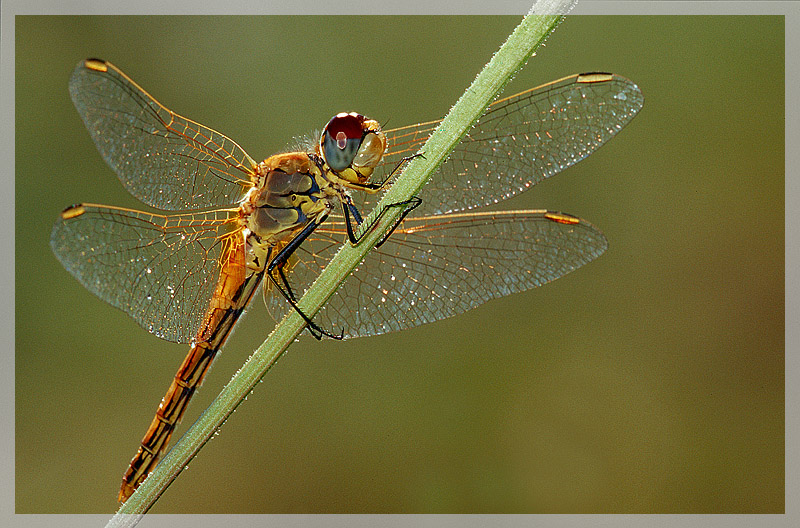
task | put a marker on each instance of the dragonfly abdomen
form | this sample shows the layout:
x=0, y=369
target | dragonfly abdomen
x=235, y=286
x=169, y=413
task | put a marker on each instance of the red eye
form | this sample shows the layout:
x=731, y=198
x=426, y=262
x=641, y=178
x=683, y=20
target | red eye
x=341, y=140
x=343, y=127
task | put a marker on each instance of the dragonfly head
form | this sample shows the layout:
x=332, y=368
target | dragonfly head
x=352, y=146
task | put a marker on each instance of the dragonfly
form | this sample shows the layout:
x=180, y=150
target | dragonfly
x=188, y=276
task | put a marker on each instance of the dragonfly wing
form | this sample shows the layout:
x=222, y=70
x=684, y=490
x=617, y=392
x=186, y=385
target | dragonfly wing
x=521, y=140
x=165, y=160
x=436, y=267
x=160, y=270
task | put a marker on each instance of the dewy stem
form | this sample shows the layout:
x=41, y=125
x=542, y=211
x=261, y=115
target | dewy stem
x=531, y=32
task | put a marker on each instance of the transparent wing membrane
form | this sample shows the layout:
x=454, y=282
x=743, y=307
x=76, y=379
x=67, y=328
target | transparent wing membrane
x=436, y=267
x=165, y=160
x=520, y=141
x=160, y=270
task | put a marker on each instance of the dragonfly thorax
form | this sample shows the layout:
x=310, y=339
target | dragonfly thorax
x=292, y=192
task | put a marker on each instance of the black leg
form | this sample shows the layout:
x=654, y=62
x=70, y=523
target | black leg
x=347, y=208
x=275, y=267
x=286, y=282
x=377, y=186
x=408, y=205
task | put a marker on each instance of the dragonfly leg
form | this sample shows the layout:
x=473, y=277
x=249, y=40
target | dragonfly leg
x=287, y=288
x=408, y=206
x=278, y=278
x=375, y=187
x=285, y=282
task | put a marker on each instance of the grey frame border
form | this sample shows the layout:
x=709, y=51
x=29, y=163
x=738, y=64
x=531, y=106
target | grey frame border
x=10, y=8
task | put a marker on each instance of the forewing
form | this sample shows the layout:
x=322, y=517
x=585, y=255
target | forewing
x=165, y=160
x=520, y=141
x=160, y=270
x=436, y=267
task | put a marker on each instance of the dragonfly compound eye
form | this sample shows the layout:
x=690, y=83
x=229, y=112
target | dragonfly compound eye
x=371, y=152
x=341, y=140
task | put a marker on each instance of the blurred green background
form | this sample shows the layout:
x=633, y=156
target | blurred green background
x=652, y=380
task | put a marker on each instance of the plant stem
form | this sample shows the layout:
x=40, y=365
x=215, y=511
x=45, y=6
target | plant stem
x=531, y=32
